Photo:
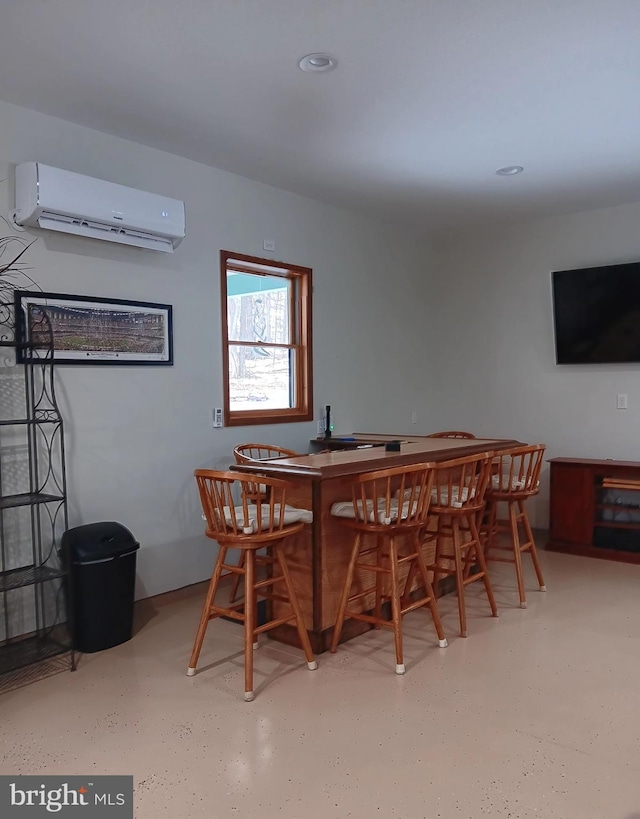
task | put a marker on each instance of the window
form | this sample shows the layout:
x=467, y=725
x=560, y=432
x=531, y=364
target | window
x=266, y=341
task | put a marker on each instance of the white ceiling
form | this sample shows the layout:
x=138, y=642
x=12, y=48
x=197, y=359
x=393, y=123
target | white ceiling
x=430, y=97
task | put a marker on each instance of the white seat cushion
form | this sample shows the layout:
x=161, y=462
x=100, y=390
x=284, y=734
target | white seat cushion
x=455, y=498
x=501, y=483
x=250, y=526
x=345, y=509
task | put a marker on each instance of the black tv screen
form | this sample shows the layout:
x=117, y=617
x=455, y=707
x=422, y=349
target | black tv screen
x=596, y=314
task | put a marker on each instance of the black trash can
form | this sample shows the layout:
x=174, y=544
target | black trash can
x=102, y=571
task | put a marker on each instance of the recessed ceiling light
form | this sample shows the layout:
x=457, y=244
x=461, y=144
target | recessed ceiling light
x=318, y=62
x=510, y=170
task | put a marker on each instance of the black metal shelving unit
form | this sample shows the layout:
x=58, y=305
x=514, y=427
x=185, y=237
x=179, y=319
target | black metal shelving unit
x=33, y=500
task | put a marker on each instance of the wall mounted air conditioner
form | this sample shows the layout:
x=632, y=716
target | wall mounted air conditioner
x=69, y=202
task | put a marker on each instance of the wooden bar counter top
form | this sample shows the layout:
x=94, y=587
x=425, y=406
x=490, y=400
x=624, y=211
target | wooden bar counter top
x=318, y=556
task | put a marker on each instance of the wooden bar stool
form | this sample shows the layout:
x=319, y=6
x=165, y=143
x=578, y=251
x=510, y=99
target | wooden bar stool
x=515, y=478
x=249, y=454
x=385, y=505
x=457, y=501
x=250, y=527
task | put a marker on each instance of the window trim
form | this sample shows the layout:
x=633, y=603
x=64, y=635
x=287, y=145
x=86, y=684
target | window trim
x=302, y=339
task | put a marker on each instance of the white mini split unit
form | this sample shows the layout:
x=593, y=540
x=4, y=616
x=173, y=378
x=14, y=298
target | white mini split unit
x=69, y=202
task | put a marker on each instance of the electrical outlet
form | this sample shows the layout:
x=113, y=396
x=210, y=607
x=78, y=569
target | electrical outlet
x=217, y=418
x=414, y=416
x=320, y=427
x=621, y=400
x=270, y=245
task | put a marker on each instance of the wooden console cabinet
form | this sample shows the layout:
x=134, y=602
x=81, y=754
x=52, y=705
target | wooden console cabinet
x=595, y=508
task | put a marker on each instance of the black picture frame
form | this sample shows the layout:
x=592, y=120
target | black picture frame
x=95, y=330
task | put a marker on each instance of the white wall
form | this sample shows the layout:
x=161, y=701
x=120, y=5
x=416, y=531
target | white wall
x=135, y=434
x=496, y=371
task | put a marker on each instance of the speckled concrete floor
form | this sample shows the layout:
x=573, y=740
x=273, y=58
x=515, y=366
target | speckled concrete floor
x=533, y=715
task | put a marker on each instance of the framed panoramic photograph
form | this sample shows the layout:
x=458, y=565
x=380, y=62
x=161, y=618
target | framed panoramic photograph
x=91, y=330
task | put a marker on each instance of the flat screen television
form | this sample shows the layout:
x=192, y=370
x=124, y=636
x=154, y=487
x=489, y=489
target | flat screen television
x=596, y=314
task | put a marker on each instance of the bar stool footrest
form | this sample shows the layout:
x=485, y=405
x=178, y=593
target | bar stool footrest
x=415, y=605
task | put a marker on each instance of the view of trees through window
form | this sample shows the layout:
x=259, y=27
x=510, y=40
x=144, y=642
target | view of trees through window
x=261, y=358
x=266, y=336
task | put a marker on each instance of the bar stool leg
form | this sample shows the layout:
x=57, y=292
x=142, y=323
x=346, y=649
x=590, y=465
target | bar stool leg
x=396, y=617
x=342, y=606
x=429, y=591
x=206, y=611
x=293, y=600
x=233, y=596
x=532, y=548
x=414, y=571
x=480, y=558
x=517, y=554
x=379, y=581
x=491, y=529
x=457, y=554
x=249, y=622
x=436, y=559
x=470, y=555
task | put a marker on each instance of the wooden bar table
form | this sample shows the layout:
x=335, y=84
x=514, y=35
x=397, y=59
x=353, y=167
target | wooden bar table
x=318, y=557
